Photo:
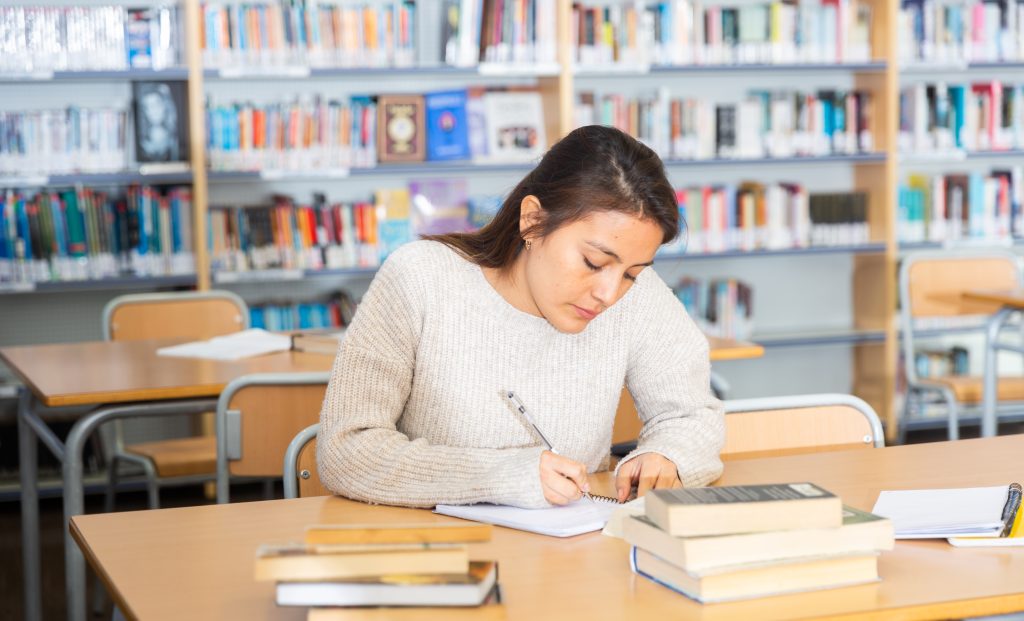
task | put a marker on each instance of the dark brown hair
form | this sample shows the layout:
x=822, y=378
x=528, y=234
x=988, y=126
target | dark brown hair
x=593, y=169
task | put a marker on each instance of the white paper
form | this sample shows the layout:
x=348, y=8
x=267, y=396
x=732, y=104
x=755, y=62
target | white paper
x=244, y=344
x=939, y=513
x=577, y=518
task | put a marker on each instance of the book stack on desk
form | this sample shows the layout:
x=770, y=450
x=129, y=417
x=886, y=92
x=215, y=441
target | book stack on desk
x=728, y=543
x=340, y=567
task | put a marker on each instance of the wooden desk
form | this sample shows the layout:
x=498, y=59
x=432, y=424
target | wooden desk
x=120, y=372
x=1009, y=301
x=728, y=349
x=127, y=376
x=197, y=562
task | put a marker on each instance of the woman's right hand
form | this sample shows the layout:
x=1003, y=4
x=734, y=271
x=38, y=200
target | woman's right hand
x=562, y=479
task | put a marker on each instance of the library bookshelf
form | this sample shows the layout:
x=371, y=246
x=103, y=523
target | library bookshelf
x=873, y=337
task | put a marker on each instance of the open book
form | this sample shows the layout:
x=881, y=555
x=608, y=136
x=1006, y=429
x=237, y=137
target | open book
x=244, y=344
x=577, y=518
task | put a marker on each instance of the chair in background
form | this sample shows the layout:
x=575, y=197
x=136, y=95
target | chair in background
x=931, y=286
x=257, y=416
x=775, y=426
x=301, y=478
x=187, y=316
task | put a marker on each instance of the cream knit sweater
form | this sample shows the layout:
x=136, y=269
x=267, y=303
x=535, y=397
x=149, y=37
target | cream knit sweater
x=415, y=415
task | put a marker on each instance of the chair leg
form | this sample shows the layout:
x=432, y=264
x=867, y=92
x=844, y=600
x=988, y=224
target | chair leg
x=99, y=598
x=953, y=421
x=152, y=484
x=112, y=480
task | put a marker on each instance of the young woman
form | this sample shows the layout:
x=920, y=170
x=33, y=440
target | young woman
x=553, y=300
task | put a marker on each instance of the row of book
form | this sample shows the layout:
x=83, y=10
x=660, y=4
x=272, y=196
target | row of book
x=958, y=206
x=334, y=312
x=721, y=307
x=499, y=31
x=962, y=31
x=322, y=133
x=756, y=216
x=73, y=139
x=718, y=544
x=335, y=235
x=981, y=116
x=781, y=123
x=85, y=234
x=942, y=362
x=308, y=33
x=365, y=565
x=37, y=39
x=686, y=32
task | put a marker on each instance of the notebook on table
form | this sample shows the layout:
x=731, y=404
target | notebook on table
x=976, y=512
x=569, y=520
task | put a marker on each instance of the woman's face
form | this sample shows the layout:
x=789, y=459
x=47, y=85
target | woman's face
x=584, y=267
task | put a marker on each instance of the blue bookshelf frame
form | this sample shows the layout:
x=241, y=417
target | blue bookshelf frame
x=130, y=75
x=103, y=284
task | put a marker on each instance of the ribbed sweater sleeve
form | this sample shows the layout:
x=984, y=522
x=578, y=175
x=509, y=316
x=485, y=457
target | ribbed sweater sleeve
x=360, y=451
x=668, y=375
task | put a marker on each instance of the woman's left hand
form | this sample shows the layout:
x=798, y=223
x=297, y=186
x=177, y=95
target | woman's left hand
x=647, y=471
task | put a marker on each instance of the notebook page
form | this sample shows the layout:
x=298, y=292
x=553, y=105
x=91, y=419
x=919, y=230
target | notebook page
x=244, y=344
x=942, y=512
x=577, y=518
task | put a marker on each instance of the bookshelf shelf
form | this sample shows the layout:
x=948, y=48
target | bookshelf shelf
x=784, y=252
x=105, y=284
x=443, y=168
x=302, y=72
x=857, y=158
x=611, y=71
x=288, y=275
x=129, y=75
x=917, y=68
x=91, y=179
x=829, y=337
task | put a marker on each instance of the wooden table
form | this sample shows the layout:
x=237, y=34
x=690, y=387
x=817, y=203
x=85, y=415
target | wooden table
x=197, y=563
x=729, y=349
x=121, y=378
x=1010, y=301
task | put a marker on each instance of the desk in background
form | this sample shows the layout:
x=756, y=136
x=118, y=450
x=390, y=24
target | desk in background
x=124, y=376
x=207, y=553
x=1011, y=301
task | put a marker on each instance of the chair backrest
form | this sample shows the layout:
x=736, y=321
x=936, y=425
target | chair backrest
x=192, y=315
x=257, y=416
x=932, y=283
x=773, y=426
x=301, y=478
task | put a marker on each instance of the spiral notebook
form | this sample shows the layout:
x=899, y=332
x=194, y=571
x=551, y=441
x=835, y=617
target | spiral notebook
x=577, y=518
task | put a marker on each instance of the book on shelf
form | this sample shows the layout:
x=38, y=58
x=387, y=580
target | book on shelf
x=161, y=121
x=40, y=39
x=721, y=307
x=861, y=532
x=447, y=131
x=757, y=579
x=304, y=562
x=947, y=117
x=243, y=37
x=515, y=126
x=439, y=206
x=495, y=31
x=443, y=532
x=764, y=124
x=693, y=512
x=957, y=206
x=401, y=128
x=85, y=234
x=970, y=31
x=394, y=219
x=51, y=141
x=470, y=588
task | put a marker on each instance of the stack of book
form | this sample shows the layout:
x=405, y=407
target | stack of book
x=362, y=565
x=728, y=543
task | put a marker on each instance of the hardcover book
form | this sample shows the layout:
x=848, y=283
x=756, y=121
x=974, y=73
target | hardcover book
x=447, y=126
x=400, y=128
x=700, y=511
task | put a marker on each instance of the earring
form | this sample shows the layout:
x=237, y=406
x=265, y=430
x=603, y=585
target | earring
x=528, y=244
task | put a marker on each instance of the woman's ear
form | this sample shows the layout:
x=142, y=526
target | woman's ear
x=530, y=213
